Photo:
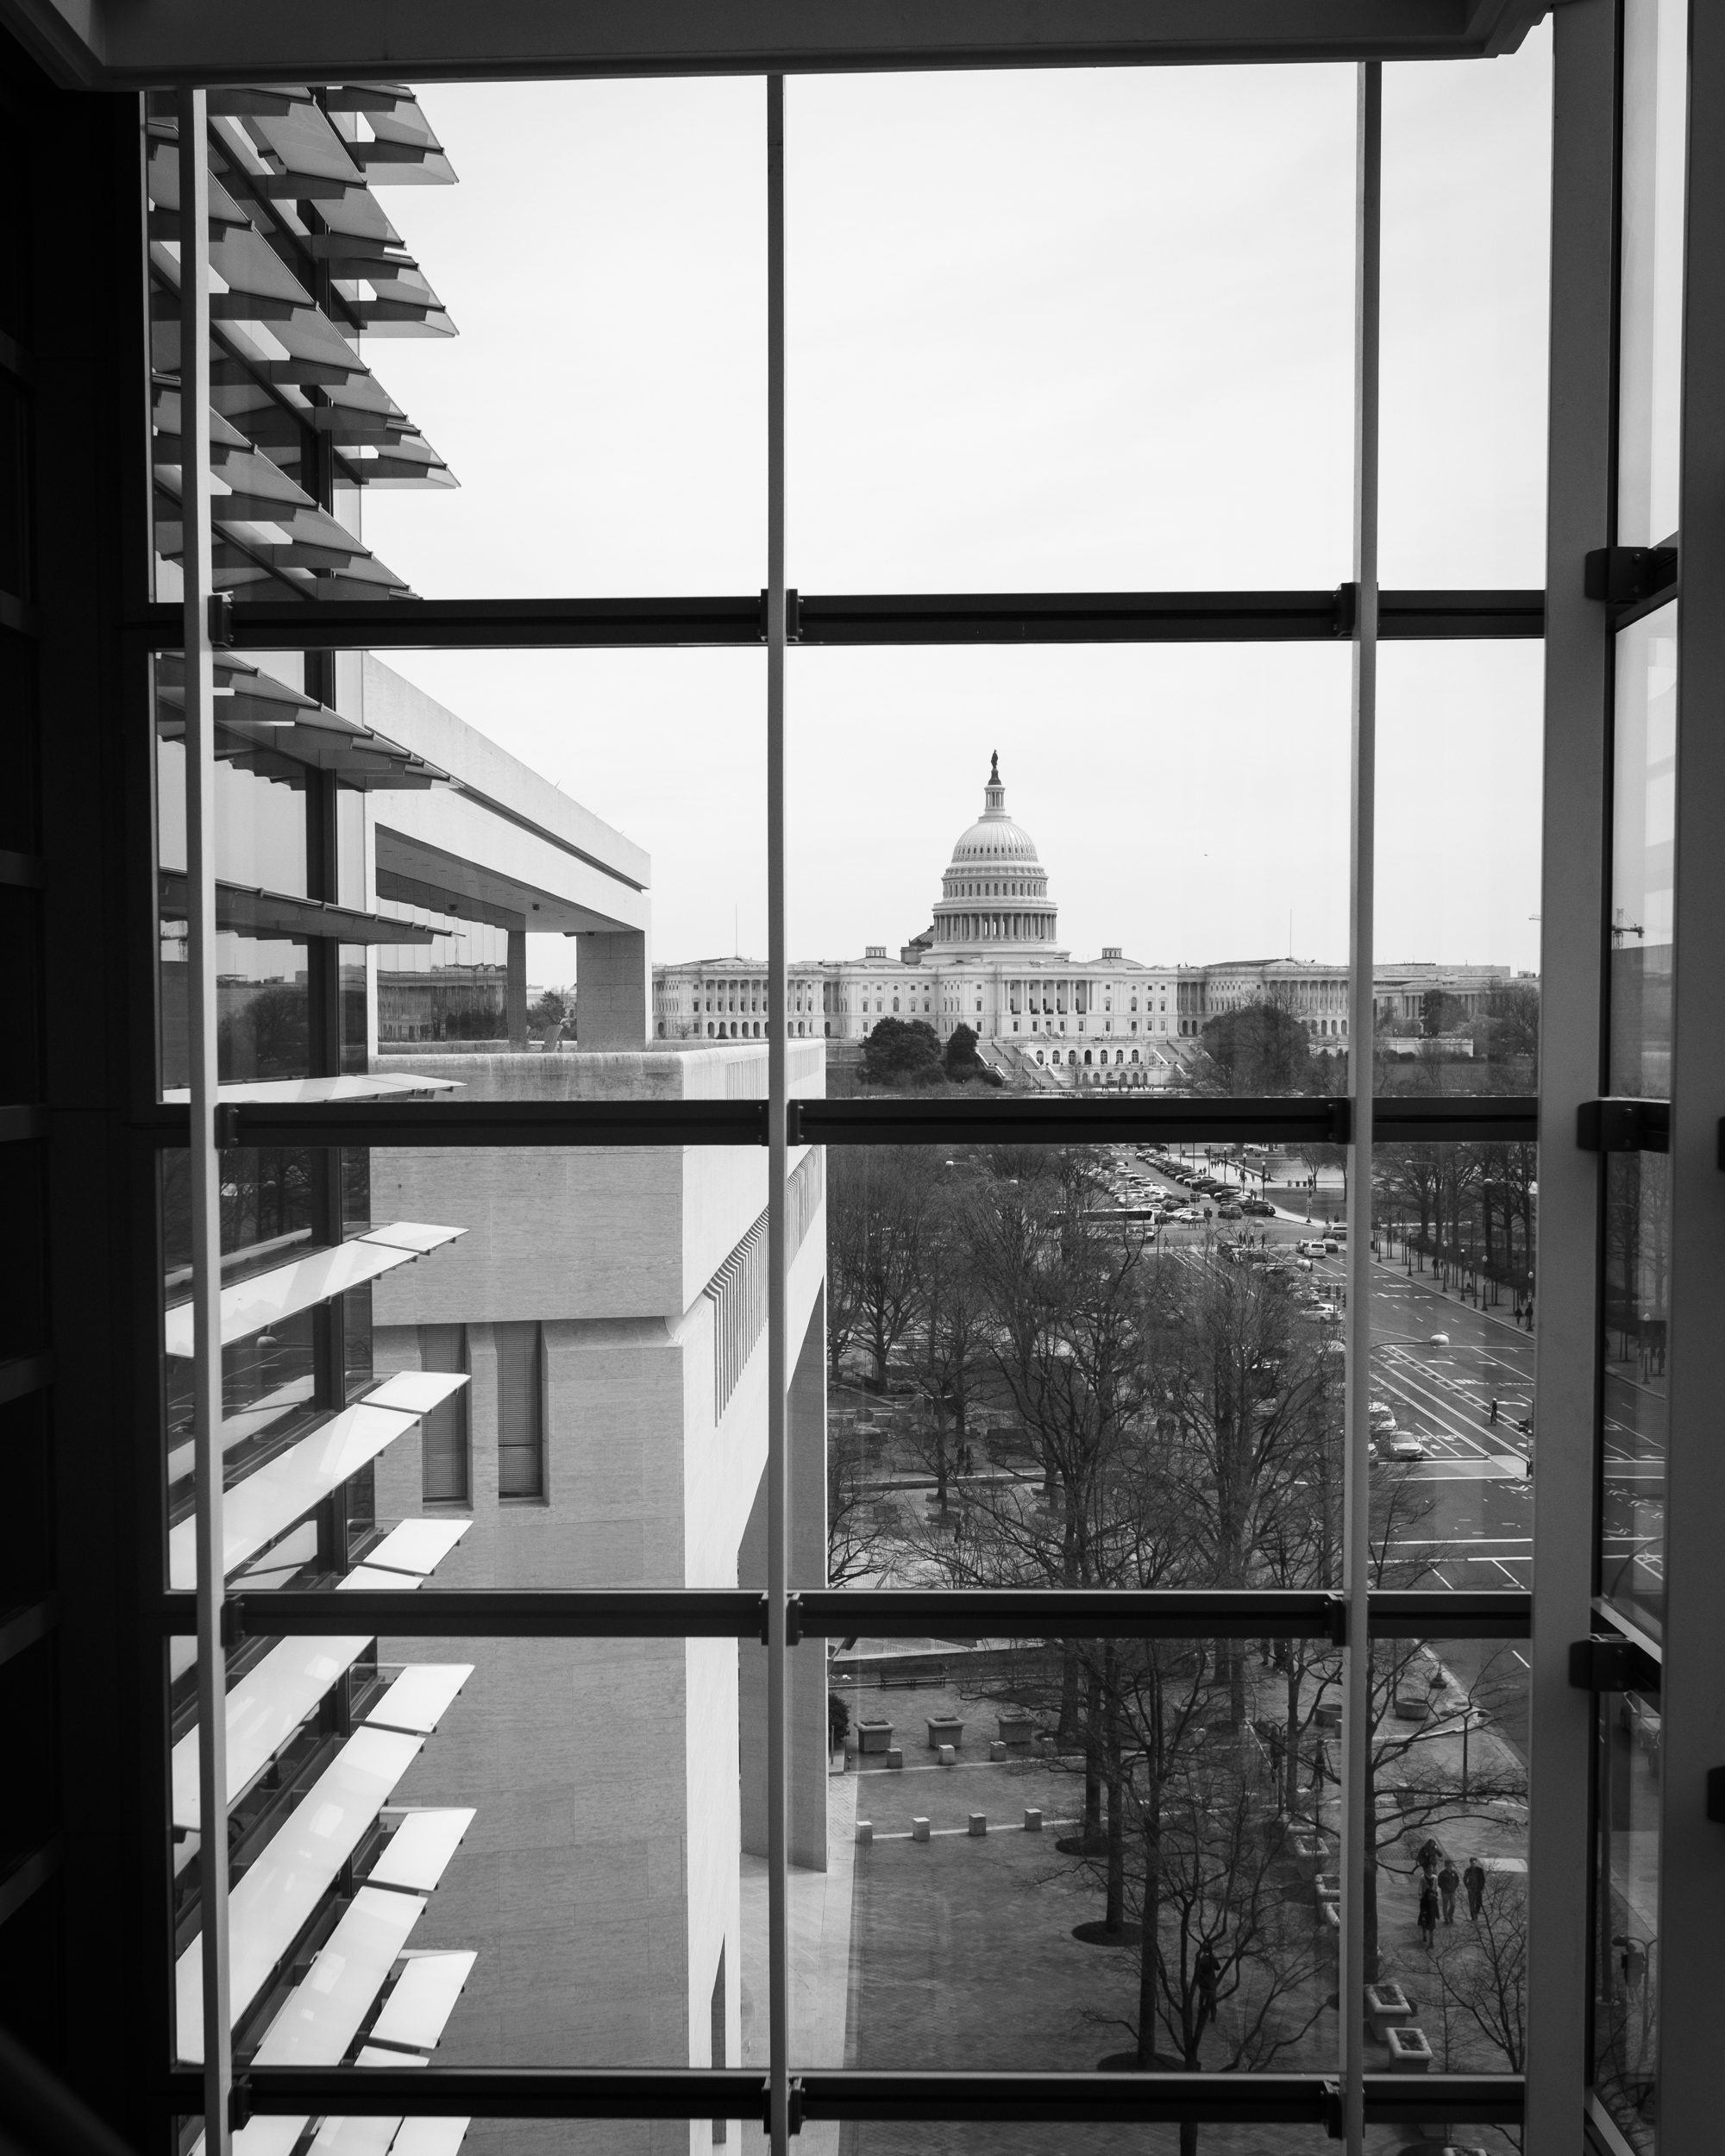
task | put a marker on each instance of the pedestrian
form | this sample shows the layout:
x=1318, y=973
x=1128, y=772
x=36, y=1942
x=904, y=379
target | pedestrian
x=1428, y=1912
x=1449, y=1879
x=1431, y=1855
x=1208, y=1971
x=1474, y=1879
x=1492, y=1417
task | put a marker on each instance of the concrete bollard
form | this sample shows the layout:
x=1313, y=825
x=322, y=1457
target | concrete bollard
x=948, y=1755
x=997, y=1751
x=865, y=1833
x=895, y=1755
x=919, y=1830
x=1032, y=1819
x=979, y=1823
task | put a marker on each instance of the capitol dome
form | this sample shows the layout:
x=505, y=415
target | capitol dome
x=994, y=892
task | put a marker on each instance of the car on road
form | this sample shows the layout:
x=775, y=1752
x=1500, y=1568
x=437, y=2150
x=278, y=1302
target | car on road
x=1438, y=1339
x=1190, y=1214
x=1402, y=1445
x=1382, y=1421
x=1331, y=1243
x=1230, y=1212
x=1302, y=1265
x=1311, y=1246
x=1259, y=1208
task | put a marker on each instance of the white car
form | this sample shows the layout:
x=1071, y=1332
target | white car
x=1312, y=1247
x=1438, y=1339
x=1302, y=1265
x=1382, y=1421
x=1402, y=1444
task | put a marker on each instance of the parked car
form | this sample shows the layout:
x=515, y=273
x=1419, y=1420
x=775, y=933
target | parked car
x=1312, y=1246
x=1331, y=1243
x=1438, y=1339
x=1230, y=1212
x=1259, y=1208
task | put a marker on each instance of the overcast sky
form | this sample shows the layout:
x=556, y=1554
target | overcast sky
x=1074, y=330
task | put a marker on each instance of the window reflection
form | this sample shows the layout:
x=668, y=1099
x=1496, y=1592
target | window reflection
x=1633, y=1462
x=1626, y=1968
x=1655, y=88
x=1642, y=843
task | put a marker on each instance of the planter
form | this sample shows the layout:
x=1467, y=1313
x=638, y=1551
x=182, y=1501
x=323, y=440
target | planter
x=944, y=1729
x=1409, y=2052
x=873, y=1736
x=1412, y=1707
x=1307, y=1854
x=1387, y=2006
x=1016, y=1729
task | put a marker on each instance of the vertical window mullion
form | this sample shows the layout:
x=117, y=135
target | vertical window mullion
x=1356, y=1553
x=778, y=1345
x=205, y=1173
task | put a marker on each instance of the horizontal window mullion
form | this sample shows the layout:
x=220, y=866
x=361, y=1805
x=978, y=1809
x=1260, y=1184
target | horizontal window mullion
x=734, y=1612
x=630, y=1123
x=861, y=621
x=847, y=1613
x=694, y=2092
x=1315, y=1119
x=1072, y=1613
x=1219, y=2098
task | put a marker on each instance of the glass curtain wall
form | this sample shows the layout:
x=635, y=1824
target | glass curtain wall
x=1635, y=1255
x=764, y=1367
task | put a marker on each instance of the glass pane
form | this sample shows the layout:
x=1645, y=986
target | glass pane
x=1626, y=1960
x=407, y=894
x=1085, y=329
x=1446, y=1893
x=1655, y=133
x=1042, y=1373
x=1095, y=908
x=440, y=1833
x=1452, y=1357
x=500, y=1275
x=1067, y=1855
x=366, y=311
x=1465, y=261
x=1632, y=1503
x=1457, y=887
x=1643, y=836
x=633, y=351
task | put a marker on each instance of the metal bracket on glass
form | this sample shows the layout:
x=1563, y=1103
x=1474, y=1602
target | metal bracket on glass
x=1623, y=1126
x=1716, y=1795
x=1347, y=609
x=1335, y=2117
x=793, y=1621
x=227, y=1126
x=239, y=2103
x=1612, y=1663
x=1621, y=575
x=793, y=616
x=221, y=605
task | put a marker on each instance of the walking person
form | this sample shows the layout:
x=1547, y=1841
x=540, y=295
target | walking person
x=1492, y=1417
x=1428, y=1911
x=1474, y=1880
x=1449, y=1880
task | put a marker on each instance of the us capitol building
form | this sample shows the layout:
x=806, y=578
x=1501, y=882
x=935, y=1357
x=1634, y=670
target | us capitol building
x=990, y=959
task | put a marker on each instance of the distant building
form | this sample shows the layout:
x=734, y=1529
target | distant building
x=990, y=959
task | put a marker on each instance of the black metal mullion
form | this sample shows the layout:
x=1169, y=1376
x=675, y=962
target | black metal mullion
x=848, y=621
x=1307, y=1120
x=888, y=1614
x=695, y=2092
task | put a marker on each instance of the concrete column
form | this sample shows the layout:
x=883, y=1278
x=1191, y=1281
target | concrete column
x=515, y=990
x=806, y=1427
x=613, y=989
